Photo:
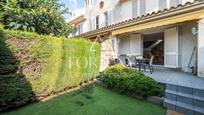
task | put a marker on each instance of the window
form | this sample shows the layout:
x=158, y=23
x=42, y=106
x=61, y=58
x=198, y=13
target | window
x=91, y=27
x=106, y=18
x=171, y=3
x=174, y=2
x=152, y=6
x=135, y=10
x=80, y=28
x=142, y=4
x=74, y=33
x=162, y=4
x=101, y=4
x=97, y=22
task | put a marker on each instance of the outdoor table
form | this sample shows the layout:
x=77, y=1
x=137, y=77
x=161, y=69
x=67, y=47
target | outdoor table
x=140, y=60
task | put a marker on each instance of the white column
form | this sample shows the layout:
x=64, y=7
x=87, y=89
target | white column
x=201, y=48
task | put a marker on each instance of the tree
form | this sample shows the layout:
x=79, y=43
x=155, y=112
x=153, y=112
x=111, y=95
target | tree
x=41, y=16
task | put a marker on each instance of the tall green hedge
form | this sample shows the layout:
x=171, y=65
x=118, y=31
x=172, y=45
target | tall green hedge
x=33, y=65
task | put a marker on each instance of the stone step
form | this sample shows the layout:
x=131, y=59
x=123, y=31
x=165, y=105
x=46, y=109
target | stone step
x=170, y=104
x=183, y=107
x=185, y=90
x=198, y=111
x=184, y=99
x=177, y=88
x=171, y=87
x=198, y=92
x=174, y=94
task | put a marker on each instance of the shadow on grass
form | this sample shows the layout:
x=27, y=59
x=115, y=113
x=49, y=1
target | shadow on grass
x=15, y=90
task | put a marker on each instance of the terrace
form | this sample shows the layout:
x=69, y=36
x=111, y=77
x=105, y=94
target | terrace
x=176, y=77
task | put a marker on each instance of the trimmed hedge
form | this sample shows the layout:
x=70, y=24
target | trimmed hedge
x=127, y=80
x=33, y=65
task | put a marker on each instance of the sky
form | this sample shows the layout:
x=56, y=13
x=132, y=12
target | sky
x=76, y=6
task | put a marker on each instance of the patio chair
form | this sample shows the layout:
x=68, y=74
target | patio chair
x=129, y=62
x=148, y=63
x=122, y=59
x=117, y=61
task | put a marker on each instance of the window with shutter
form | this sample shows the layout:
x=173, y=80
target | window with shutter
x=152, y=6
x=91, y=24
x=97, y=22
x=110, y=17
x=174, y=2
x=135, y=8
x=106, y=18
x=142, y=7
x=80, y=28
x=162, y=4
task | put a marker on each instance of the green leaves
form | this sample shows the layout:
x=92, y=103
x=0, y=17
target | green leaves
x=37, y=65
x=127, y=80
x=41, y=16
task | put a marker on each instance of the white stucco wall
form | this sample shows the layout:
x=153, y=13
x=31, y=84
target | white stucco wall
x=120, y=11
x=186, y=46
x=201, y=48
x=152, y=6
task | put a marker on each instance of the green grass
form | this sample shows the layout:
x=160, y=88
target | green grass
x=92, y=100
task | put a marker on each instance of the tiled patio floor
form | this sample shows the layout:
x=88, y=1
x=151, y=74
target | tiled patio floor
x=176, y=77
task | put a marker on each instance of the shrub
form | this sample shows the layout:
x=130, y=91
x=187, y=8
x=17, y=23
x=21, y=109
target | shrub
x=37, y=65
x=127, y=80
x=14, y=89
x=25, y=15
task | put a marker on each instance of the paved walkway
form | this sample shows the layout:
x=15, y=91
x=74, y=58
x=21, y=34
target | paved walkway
x=176, y=77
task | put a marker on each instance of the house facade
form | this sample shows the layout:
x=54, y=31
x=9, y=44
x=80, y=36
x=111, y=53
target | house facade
x=107, y=12
x=170, y=30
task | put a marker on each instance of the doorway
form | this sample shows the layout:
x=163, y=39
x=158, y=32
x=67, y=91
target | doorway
x=153, y=45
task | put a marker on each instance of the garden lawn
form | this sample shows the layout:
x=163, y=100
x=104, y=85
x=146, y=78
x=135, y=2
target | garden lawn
x=92, y=100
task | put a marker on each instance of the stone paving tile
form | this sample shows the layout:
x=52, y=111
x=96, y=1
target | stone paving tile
x=177, y=77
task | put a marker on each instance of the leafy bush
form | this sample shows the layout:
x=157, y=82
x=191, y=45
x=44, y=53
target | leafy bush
x=14, y=89
x=41, y=16
x=127, y=80
x=37, y=65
